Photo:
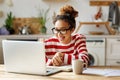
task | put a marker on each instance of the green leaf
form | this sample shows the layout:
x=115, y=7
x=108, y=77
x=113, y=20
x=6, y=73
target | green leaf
x=9, y=21
x=43, y=16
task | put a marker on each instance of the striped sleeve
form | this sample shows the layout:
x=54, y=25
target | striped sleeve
x=50, y=46
x=80, y=51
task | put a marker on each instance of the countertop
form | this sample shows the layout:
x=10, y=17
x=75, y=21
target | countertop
x=58, y=76
x=50, y=35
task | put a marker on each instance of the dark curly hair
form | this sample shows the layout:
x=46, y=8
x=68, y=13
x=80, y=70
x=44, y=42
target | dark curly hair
x=68, y=14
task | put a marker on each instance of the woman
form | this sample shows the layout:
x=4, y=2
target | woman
x=65, y=46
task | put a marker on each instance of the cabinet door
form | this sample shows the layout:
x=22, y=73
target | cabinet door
x=1, y=52
x=113, y=51
x=113, y=48
x=113, y=62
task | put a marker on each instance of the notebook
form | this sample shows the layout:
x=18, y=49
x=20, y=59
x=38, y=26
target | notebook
x=25, y=57
x=102, y=72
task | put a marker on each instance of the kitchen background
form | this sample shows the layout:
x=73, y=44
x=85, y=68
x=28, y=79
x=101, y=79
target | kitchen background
x=29, y=8
x=104, y=49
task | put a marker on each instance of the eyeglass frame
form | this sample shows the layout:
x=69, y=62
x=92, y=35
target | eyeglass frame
x=60, y=31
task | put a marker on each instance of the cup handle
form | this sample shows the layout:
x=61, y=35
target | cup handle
x=85, y=64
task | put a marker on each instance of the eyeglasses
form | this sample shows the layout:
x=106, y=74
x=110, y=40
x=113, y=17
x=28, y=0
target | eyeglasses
x=64, y=31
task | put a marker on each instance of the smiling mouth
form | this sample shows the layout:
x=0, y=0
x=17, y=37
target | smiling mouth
x=61, y=38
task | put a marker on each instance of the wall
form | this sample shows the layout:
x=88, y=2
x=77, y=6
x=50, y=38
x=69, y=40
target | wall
x=29, y=8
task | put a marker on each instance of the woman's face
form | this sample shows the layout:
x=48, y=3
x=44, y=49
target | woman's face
x=63, y=31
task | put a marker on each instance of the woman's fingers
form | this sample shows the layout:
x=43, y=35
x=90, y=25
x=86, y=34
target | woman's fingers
x=55, y=63
x=57, y=60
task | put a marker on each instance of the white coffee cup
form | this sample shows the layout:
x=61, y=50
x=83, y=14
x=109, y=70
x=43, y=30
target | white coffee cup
x=78, y=66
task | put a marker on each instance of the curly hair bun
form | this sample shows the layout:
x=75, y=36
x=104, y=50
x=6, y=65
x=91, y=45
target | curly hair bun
x=68, y=9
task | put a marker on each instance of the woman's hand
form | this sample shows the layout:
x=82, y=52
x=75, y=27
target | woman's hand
x=57, y=59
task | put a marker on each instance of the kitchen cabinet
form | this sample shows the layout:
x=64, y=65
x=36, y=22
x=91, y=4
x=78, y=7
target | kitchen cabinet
x=113, y=52
x=1, y=51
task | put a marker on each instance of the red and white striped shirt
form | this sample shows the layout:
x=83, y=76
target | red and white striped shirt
x=76, y=49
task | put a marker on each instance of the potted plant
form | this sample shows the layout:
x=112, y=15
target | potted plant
x=9, y=23
x=43, y=19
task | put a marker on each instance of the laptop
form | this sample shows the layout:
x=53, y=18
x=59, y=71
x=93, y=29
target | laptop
x=25, y=57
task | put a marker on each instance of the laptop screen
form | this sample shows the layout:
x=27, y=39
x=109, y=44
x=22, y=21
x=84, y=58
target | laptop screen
x=24, y=56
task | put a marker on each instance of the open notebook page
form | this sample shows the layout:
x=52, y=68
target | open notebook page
x=103, y=72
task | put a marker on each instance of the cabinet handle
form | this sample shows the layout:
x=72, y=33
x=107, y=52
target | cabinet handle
x=118, y=62
x=118, y=39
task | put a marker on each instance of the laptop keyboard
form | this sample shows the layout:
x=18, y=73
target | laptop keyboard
x=50, y=69
x=62, y=68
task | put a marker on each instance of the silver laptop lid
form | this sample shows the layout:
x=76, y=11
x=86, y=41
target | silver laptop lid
x=24, y=56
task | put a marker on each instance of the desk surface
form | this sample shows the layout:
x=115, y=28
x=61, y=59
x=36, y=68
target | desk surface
x=58, y=76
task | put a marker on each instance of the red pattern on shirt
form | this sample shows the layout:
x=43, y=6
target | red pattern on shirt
x=77, y=46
